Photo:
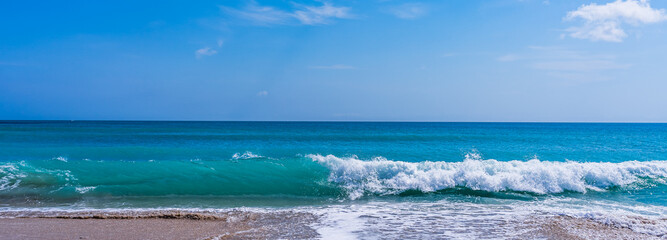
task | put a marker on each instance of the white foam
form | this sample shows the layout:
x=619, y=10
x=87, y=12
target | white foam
x=12, y=174
x=11, y=177
x=467, y=220
x=338, y=223
x=382, y=176
x=245, y=155
x=83, y=190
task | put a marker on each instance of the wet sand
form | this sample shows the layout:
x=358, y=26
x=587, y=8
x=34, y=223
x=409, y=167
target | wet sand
x=565, y=227
x=247, y=225
x=235, y=225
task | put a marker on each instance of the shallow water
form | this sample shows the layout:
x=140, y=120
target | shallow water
x=405, y=179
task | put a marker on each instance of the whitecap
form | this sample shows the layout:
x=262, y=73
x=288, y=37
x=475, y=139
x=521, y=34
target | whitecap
x=83, y=190
x=382, y=176
x=246, y=155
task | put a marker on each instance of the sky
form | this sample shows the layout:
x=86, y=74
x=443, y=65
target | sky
x=338, y=60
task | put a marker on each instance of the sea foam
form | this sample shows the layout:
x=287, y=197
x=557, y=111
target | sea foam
x=10, y=178
x=14, y=174
x=514, y=219
x=382, y=176
x=245, y=155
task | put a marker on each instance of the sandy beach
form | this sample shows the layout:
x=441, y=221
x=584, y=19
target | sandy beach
x=231, y=225
x=564, y=227
x=252, y=225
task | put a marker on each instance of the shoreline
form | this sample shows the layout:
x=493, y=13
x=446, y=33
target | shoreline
x=158, y=225
x=567, y=227
x=272, y=224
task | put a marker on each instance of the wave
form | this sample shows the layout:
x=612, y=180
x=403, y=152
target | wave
x=382, y=176
x=14, y=175
x=60, y=158
x=323, y=176
x=245, y=155
x=84, y=189
x=10, y=178
x=38, y=181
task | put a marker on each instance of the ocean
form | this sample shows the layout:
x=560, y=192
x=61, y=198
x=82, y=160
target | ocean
x=362, y=180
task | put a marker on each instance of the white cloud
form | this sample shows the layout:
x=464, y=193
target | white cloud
x=409, y=10
x=604, y=22
x=333, y=67
x=301, y=14
x=320, y=15
x=262, y=93
x=207, y=51
x=259, y=14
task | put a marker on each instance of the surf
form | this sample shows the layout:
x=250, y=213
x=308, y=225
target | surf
x=320, y=176
x=386, y=177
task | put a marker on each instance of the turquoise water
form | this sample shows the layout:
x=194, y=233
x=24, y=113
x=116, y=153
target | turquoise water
x=282, y=164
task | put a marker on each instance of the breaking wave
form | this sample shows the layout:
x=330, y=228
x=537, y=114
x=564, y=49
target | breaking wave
x=245, y=155
x=382, y=176
x=325, y=176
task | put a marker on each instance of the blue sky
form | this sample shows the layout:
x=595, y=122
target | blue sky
x=458, y=60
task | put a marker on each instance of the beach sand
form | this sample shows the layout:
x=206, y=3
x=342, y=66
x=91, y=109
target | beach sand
x=565, y=227
x=233, y=225
x=247, y=225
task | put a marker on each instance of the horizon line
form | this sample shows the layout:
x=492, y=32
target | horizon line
x=324, y=121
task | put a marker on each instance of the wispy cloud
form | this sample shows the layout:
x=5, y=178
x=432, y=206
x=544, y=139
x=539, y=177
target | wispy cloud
x=311, y=15
x=333, y=67
x=262, y=93
x=300, y=14
x=604, y=22
x=563, y=59
x=567, y=64
x=207, y=51
x=409, y=10
x=258, y=14
x=579, y=65
x=508, y=58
